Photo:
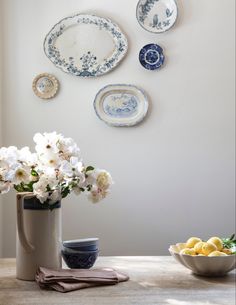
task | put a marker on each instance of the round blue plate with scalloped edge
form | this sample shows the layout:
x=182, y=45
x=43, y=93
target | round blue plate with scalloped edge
x=151, y=56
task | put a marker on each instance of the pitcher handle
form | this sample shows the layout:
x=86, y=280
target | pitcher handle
x=20, y=221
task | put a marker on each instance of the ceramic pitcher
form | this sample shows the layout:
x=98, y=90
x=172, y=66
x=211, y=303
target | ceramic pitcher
x=38, y=241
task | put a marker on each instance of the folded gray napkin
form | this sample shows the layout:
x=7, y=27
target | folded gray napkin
x=65, y=280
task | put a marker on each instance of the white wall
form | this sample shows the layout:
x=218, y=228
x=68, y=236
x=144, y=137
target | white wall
x=1, y=39
x=174, y=173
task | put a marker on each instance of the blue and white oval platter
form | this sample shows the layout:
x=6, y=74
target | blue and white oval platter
x=85, y=45
x=121, y=105
x=151, y=56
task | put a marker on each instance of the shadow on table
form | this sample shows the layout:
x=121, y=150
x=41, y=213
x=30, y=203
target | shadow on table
x=225, y=279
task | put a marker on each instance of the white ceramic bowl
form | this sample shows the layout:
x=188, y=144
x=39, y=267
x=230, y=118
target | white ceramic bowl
x=204, y=265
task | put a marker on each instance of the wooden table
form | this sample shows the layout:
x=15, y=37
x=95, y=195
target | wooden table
x=153, y=281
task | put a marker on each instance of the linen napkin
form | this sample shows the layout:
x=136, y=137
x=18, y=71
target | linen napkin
x=65, y=280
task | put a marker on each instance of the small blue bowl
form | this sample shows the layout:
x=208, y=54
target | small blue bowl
x=79, y=259
x=88, y=244
x=81, y=248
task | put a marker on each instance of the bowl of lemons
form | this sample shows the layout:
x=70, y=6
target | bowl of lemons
x=214, y=257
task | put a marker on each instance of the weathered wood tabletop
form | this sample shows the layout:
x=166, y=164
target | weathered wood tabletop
x=153, y=281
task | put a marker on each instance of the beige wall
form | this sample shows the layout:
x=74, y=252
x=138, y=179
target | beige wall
x=174, y=173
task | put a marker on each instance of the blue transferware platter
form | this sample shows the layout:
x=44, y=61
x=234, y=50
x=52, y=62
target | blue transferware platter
x=156, y=16
x=121, y=105
x=151, y=56
x=85, y=45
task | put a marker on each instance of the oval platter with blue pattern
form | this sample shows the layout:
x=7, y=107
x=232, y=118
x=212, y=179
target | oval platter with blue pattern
x=121, y=105
x=85, y=45
x=151, y=56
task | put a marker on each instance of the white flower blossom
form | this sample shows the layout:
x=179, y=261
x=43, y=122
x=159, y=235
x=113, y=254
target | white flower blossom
x=96, y=194
x=49, y=159
x=22, y=174
x=25, y=156
x=54, y=197
x=54, y=171
x=72, y=168
x=46, y=142
x=68, y=148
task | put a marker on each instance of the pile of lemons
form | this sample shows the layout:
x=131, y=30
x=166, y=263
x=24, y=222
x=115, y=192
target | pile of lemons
x=212, y=247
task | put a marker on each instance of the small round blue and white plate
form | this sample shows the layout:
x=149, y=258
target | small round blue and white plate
x=45, y=85
x=156, y=16
x=151, y=56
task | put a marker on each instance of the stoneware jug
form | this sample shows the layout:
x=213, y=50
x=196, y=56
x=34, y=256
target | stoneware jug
x=38, y=241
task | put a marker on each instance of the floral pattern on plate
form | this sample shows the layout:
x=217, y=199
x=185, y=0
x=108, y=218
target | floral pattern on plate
x=45, y=85
x=121, y=105
x=151, y=56
x=86, y=64
x=156, y=16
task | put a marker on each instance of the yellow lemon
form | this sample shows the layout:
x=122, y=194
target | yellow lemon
x=217, y=253
x=217, y=242
x=198, y=247
x=207, y=248
x=226, y=251
x=188, y=251
x=191, y=242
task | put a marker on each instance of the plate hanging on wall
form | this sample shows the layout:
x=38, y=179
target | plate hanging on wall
x=45, y=85
x=151, y=56
x=156, y=16
x=121, y=105
x=85, y=45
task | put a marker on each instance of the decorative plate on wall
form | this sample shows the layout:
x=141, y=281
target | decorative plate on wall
x=45, y=86
x=151, y=56
x=121, y=105
x=86, y=45
x=156, y=16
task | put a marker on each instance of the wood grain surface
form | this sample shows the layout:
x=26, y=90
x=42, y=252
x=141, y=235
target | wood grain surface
x=154, y=280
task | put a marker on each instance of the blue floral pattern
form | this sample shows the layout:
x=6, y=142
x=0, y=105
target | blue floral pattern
x=121, y=105
x=156, y=20
x=151, y=56
x=89, y=67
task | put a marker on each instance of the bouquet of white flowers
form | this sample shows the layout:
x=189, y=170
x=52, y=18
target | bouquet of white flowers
x=52, y=172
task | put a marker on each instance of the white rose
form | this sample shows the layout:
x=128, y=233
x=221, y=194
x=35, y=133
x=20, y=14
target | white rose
x=54, y=197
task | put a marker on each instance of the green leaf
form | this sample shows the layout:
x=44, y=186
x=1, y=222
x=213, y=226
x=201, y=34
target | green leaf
x=34, y=173
x=18, y=188
x=229, y=242
x=65, y=192
x=89, y=188
x=89, y=168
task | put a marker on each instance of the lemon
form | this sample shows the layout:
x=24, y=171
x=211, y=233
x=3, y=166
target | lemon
x=217, y=253
x=207, y=248
x=188, y=251
x=226, y=251
x=198, y=247
x=191, y=242
x=217, y=242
